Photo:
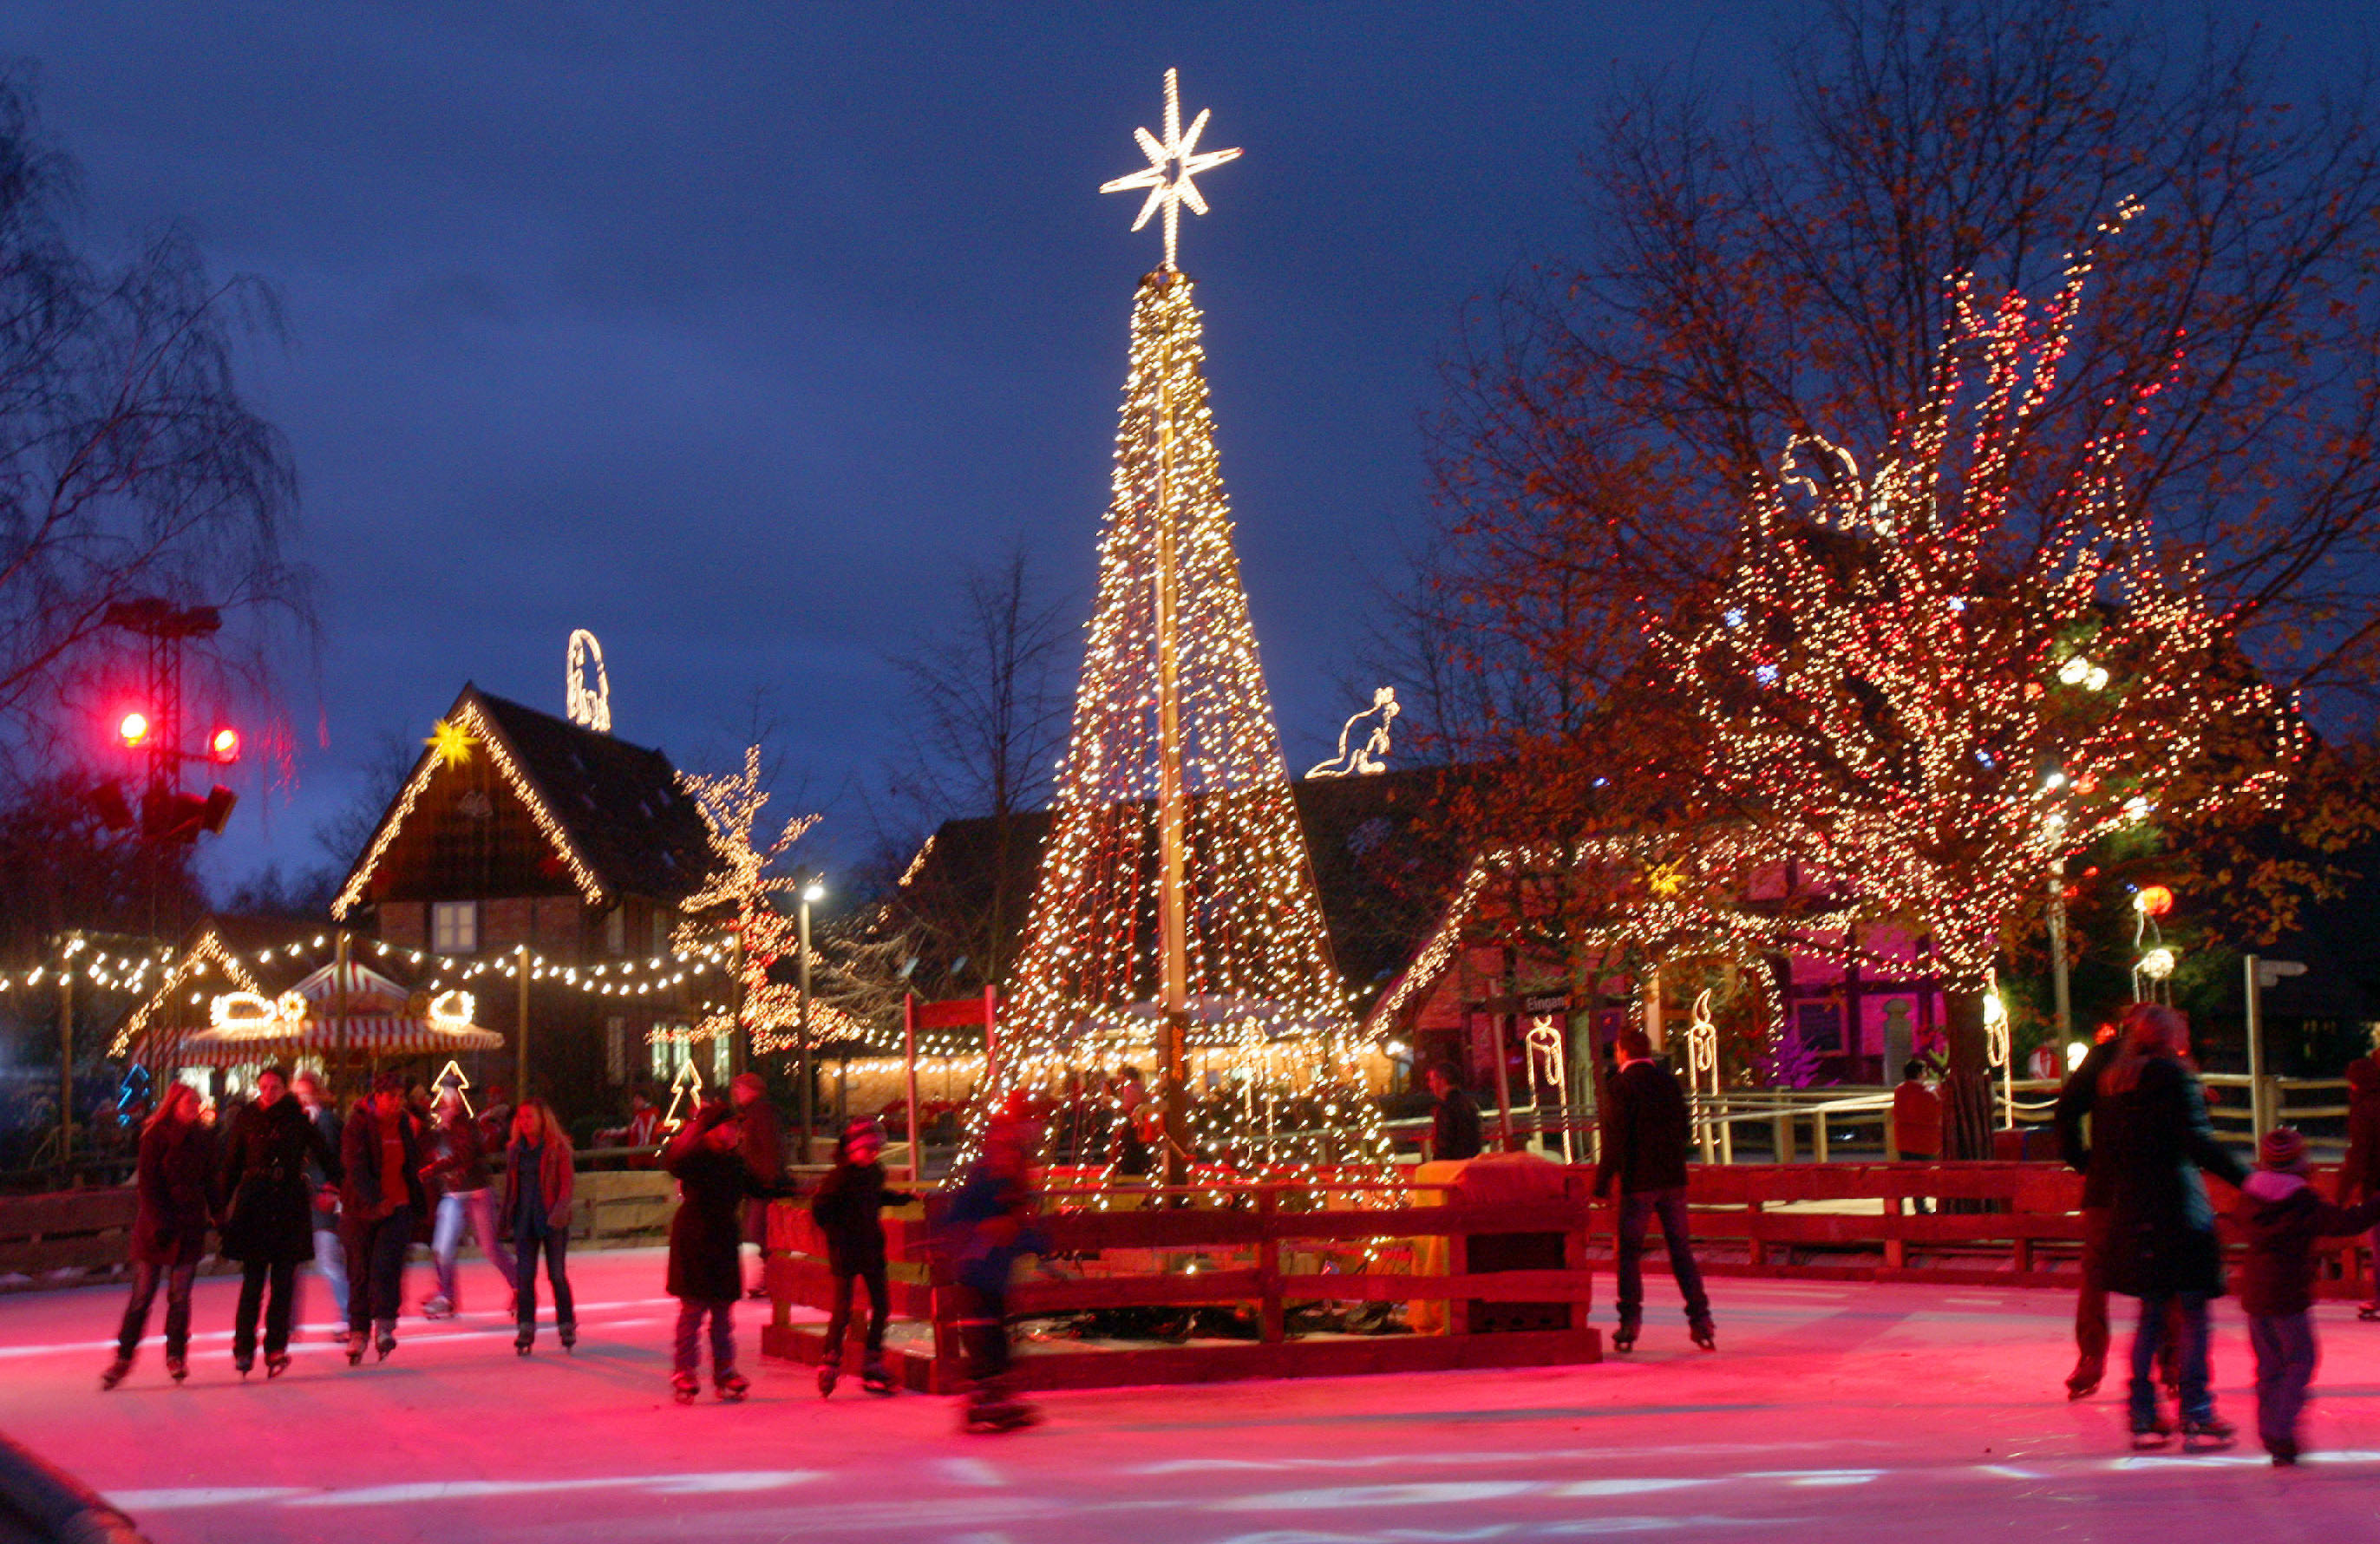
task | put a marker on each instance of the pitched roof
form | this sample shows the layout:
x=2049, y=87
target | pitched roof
x=612, y=811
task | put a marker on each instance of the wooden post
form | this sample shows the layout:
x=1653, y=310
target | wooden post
x=520, y=1029
x=990, y=1014
x=1273, y=1322
x=66, y=1061
x=909, y=1055
x=338, y=994
x=1503, y=1084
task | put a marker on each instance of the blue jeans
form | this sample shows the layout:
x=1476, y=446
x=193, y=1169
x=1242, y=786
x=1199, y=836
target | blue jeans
x=2197, y=1400
x=556, y=1246
x=2285, y=1354
x=330, y=1262
x=1636, y=1210
x=691, y=1312
x=477, y=1207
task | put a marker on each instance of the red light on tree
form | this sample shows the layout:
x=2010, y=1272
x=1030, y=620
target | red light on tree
x=223, y=745
x=132, y=729
x=2154, y=900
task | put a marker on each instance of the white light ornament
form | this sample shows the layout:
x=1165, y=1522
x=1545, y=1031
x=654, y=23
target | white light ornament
x=451, y=1010
x=587, y=705
x=1371, y=756
x=1546, y=1063
x=1172, y=161
x=252, y=1012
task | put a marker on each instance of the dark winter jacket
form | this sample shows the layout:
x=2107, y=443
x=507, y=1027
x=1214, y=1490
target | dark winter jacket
x=175, y=1186
x=1454, y=1128
x=1645, y=1130
x=458, y=1163
x=2074, y=1102
x=2281, y=1216
x=990, y=1225
x=360, y=1156
x=705, y=1156
x=763, y=1139
x=548, y=1166
x=268, y=1206
x=846, y=1207
x=2156, y=1139
x=2359, y=1176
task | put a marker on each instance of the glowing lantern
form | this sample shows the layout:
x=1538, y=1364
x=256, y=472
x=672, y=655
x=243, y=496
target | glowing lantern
x=2152, y=900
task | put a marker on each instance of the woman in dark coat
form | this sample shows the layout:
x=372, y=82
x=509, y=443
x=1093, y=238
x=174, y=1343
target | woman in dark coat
x=706, y=1267
x=269, y=1214
x=175, y=1186
x=2149, y=1121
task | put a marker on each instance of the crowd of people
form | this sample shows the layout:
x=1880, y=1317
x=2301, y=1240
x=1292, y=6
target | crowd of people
x=288, y=1180
x=291, y=1180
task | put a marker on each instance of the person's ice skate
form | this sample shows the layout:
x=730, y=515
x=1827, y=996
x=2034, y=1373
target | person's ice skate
x=684, y=1387
x=877, y=1378
x=828, y=1375
x=731, y=1385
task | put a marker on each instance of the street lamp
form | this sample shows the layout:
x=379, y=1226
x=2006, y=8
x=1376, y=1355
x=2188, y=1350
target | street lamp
x=2262, y=973
x=813, y=890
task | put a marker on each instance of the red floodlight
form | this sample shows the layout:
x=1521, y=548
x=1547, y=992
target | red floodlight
x=133, y=729
x=223, y=745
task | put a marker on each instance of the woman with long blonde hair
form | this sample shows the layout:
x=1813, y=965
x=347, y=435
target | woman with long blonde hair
x=175, y=1189
x=537, y=1208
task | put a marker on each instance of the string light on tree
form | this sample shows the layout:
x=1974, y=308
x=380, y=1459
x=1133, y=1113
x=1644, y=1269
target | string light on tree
x=1897, y=742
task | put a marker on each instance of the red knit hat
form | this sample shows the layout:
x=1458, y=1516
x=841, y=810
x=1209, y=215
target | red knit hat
x=2283, y=1148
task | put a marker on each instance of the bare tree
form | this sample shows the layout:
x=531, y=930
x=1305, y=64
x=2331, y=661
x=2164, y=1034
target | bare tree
x=130, y=464
x=989, y=723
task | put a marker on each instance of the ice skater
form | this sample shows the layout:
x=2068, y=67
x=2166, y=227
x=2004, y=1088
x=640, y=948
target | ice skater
x=1645, y=1136
x=2280, y=1216
x=457, y=1176
x=174, y=1187
x=381, y=1149
x=269, y=1208
x=848, y=1208
x=989, y=1226
x=706, y=1266
x=538, y=1172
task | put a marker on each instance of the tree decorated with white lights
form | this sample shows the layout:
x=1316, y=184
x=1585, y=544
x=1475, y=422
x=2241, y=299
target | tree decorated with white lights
x=1934, y=683
x=1176, y=913
x=737, y=909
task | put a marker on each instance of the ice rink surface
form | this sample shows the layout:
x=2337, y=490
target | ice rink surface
x=1843, y=1413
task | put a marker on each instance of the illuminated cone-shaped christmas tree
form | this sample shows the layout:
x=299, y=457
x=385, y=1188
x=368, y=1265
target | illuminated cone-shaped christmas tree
x=1176, y=926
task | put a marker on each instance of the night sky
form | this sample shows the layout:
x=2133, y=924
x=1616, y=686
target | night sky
x=731, y=332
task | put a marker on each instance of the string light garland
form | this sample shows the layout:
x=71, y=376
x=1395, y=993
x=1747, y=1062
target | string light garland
x=1936, y=709
x=466, y=726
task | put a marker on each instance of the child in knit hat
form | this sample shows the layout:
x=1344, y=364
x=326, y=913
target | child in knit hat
x=2280, y=1215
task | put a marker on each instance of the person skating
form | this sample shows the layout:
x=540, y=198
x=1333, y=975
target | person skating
x=706, y=1266
x=989, y=1226
x=2359, y=1172
x=1454, y=1124
x=848, y=1208
x=268, y=1214
x=330, y=1252
x=1916, y=1122
x=2075, y=1102
x=537, y=1208
x=2280, y=1216
x=764, y=1156
x=1645, y=1136
x=456, y=1178
x=2149, y=1123
x=380, y=1150
x=173, y=1186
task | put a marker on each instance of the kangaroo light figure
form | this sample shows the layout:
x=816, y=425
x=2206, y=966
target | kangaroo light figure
x=1371, y=756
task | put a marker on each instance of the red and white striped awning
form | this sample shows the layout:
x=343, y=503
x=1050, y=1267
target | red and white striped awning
x=364, y=1035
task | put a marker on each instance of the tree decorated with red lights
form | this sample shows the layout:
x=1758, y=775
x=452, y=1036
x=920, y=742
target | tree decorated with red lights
x=1935, y=682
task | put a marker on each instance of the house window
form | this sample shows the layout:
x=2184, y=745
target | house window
x=455, y=927
x=615, y=931
x=615, y=1049
x=720, y=1050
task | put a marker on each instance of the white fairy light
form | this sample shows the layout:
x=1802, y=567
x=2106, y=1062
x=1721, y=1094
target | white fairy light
x=1172, y=161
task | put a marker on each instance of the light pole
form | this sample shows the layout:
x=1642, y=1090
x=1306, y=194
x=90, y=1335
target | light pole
x=2262, y=973
x=814, y=891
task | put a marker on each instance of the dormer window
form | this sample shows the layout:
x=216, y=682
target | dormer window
x=455, y=927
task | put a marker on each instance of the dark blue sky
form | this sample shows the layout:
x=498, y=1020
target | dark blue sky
x=731, y=331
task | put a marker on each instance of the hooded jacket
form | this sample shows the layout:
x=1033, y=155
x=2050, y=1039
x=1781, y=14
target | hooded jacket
x=2280, y=1216
x=2359, y=1175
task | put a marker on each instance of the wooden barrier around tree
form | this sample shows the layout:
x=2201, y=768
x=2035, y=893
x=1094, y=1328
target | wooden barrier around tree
x=1251, y=1248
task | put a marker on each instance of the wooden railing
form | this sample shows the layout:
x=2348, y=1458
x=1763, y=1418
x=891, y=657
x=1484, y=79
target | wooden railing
x=1260, y=1250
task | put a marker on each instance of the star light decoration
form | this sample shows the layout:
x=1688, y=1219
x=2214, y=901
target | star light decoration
x=1172, y=161
x=1889, y=677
